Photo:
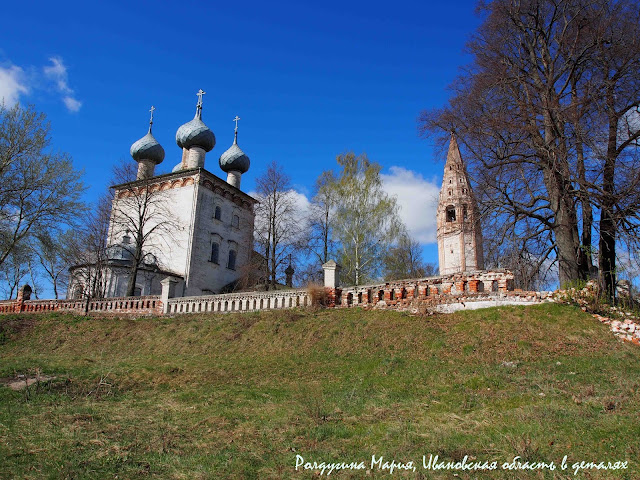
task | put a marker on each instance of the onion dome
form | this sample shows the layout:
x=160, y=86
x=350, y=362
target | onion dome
x=195, y=133
x=234, y=159
x=148, y=148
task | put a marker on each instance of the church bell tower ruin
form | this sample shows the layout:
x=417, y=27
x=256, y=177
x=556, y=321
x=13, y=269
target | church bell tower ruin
x=459, y=234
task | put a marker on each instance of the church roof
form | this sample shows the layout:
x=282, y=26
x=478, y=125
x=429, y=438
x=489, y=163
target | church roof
x=215, y=180
x=455, y=181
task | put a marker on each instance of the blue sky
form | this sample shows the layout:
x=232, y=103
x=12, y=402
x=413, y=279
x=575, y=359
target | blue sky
x=309, y=82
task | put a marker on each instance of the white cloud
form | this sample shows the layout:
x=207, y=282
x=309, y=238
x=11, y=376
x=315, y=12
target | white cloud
x=72, y=104
x=418, y=199
x=301, y=204
x=12, y=85
x=57, y=72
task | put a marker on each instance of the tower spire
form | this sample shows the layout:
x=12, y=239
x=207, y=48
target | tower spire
x=458, y=219
x=453, y=155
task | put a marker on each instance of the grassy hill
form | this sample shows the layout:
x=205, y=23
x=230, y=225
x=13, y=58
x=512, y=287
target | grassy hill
x=241, y=395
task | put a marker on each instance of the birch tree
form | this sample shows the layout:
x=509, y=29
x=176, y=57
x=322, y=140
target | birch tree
x=366, y=218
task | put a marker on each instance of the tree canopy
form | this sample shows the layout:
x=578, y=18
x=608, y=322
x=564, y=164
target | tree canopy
x=548, y=114
x=366, y=221
x=40, y=190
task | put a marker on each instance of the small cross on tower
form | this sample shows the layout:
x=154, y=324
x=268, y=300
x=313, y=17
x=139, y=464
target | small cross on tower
x=236, y=120
x=151, y=119
x=200, y=94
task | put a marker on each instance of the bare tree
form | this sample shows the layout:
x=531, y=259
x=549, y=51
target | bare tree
x=140, y=211
x=14, y=270
x=615, y=68
x=39, y=190
x=86, y=250
x=321, y=218
x=279, y=226
x=49, y=248
x=545, y=114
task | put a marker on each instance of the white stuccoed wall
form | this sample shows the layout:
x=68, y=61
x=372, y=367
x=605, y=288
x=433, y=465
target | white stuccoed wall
x=189, y=199
x=205, y=276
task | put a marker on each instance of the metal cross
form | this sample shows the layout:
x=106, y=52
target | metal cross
x=200, y=94
x=236, y=120
x=151, y=110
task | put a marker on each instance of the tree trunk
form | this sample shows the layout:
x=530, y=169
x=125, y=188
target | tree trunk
x=607, y=216
x=131, y=285
x=586, y=258
x=137, y=257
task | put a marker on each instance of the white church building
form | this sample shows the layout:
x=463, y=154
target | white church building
x=193, y=227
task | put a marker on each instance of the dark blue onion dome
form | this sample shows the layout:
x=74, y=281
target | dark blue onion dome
x=196, y=134
x=234, y=159
x=147, y=148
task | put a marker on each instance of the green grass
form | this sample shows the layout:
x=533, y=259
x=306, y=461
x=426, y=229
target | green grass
x=240, y=395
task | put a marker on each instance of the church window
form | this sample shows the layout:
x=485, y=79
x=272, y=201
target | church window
x=465, y=214
x=215, y=253
x=231, y=265
x=217, y=213
x=449, y=192
x=236, y=221
x=78, y=292
x=449, y=180
x=451, y=214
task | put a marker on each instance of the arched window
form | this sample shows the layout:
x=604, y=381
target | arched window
x=236, y=221
x=215, y=253
x=217, y=213
x=451, y=213
x=231, y=265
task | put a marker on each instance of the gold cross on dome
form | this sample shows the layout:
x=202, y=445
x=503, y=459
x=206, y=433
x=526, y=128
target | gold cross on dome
x=236, y=120
x=151, y=110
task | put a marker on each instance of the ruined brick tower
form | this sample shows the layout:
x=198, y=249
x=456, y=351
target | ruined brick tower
x=459, y=235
